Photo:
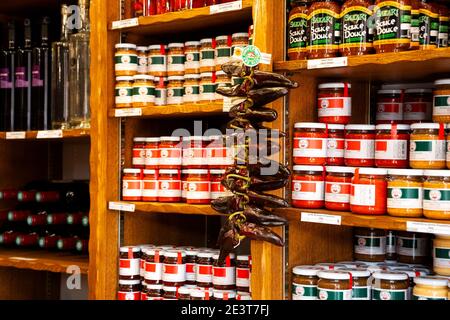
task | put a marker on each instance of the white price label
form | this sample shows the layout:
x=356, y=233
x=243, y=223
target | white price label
x=428, y=227
x=15, y=135
x=22, y=258
x=320, y=218
x=225, y=7
x=266, y=58
x=127, y=23
x=327, y=63
x=229, y=102
x=128, y=112
x=49, y=134
x=122, y=206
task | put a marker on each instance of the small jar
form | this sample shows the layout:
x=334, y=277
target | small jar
x=175, y=90
x=243, y=273
x=150, y=186
x=441, y=255
x=130, y=263
x=142, y=260
x=360, y=145
x=308, y=185
x=370, y=245
x=170, y=153
x=124, y=92
x=207, y=56
x=334, y=285
x=126, y=60
x=201, y=294
x=223, y=51
x=174, y=268
x=153, y=265
x=224, y=275
x=160, y=91
x=199, y=187
x=208, y=87
x=132, y=185
x=157, y=60
x=170, y=293
x=390, y=286
x=337, y=188
x=151, y=153
x=224, y=295
x=138, y=153
x=417, y=105
x=154, y=292
x=310, y=143
x=441, y=101
x=428, y=148
x=184, y=293
x=334, y=103
x=169, y=187
x=143, y=91
x=391, y=145
x=204, y=269
x=436, y=194
x=194, y=152
x=142, y=53
x=430, y=288
x=175, y=59
x=298, y=30
x=239, y=40
x=412, y=248
x=129, y=290
x=368, y=191
x=217, y=189
x=405, y=193
x=335, y=145
x=304, y=282
x=219, y=154
x=192, y=52
x=191, y=88
x=361, y=288
x=222, y=80
x=191, y=262
x=389, y=106
x=391, y=246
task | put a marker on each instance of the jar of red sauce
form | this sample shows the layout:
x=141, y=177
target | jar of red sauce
x=169, y=185
x=391, y=145
x=334, y=102
x=162, y=6
x=310, y=143
x=194, y=152
x=174, y=268
x=337, y=188
x=196, y=4
x=389, y=106
x=198, y=187
x=418, y=105
x=219, y=154
x=132, y=185
x=170, y=153
x=360, y=145
x=138, y=160
x=217, y=188
x=308, y=185
x=151, y=153
x=335, y=145
x=368, y=193
x=150, y=186
x=184, y=184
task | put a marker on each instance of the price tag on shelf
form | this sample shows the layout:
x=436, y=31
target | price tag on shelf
x=225, y=7
x=320, y=218
x=126, y=23
x=266, y=58
x=428, y=227
x=327, y=63
x=121, y=206
x=128, y=112
x=22, y=258
x=15, y=135
x=49, y=134
x=229, y=102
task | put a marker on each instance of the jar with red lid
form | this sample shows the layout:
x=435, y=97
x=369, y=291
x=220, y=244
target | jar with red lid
x=138, y=160
x=203, y=271
x=151, y=153
x=132, y=185
x=369, y=191
x=150, y=186
x=170, y=153
x=389, y=106
x=310, y=143
x=335, y=145
x=391, y=145
x=337, y=188
x=154, y=292
x=169, y=185
x=218, y=153
x=417, y=105
x=359, y=145
x=194, y=152
x=243, y=273
x=308, y=185
x=334, y=102
x=129, y=290
x=184, y=293
x=217, y=189
x=224, y=275
x=191, y=262
x=198, y=186
x=130, y=263
x=174, y=268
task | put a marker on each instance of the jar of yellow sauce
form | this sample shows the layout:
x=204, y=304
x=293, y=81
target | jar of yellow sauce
x=441, y=101
x=405, y=192
x=124, y=92
x=126, y=59
x=222, y=80
x=436, y=194
x=441, y=255
x=427, y=148
x=191, y=88
x=143, y=91
x=175, y=90
x=430, y=288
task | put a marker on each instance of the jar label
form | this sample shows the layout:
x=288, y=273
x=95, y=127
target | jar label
x=361, y=293
x=417, y=297
x=153, y=271
x=170, y=156
x=392, y=23
x=243, y=277
x=389, y=111
x=191, y=92
x=126, y=62
x=415, y=26
x=208, y=91
x=304, y=292
x=412, y=247
x=380, y=294
x=310, y=148
x=190, y=271
x=160, y=97
x=144, y=94
x=430, y=150
x=192, y=61
x=132, y=188
x=357, y=27
x=326, y=294
x=125, y=295
x=443, y=32
x=150, y=189
x=142, y=268
x=152, y=156
x=223, y=55
x=124, y=95
x=337, y=192
x=298, y=33
x=416, y=110
x=308, y=190
x=436, y=199
x=224, y=276
x=157, y=63
x=194, y=156
x=142, y=65
x=175, y=63
x=169, y=189
x=175, y=95
x=391, y=149
x=370, y=245
x=335, y=107
x=428, y=28
x=441, y=105
x=325, y=29
x=404, y=198
x=220, y=156
x=359, y=149
x=207, y=58
x=441, y=257
x=174, y=272
x=199, y=190
x=218, y=190
x=129, y=267
x=335, y=148
x=362, y=195
x=204, y=273
x=138, y=156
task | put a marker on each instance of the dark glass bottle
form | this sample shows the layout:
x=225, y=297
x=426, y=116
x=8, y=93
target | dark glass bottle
x=7, y=69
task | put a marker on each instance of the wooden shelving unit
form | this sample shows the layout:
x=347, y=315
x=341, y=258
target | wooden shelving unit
x=191, y=110
x=66, y=134
x=175, y=208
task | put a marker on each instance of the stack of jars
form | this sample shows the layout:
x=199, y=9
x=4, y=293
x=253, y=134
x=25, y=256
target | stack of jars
x=151, y=272
x=155, y=7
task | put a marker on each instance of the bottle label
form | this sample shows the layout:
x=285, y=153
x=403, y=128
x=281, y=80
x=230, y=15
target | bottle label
x=194, y=156
x=224, y=276
x=357, y=27
x=138, y=157
x=199, y=190
x=436, y=199
x=405, y=198
x=379, y=294
x=175, y=62
x=431, y=150
x=243, y=277
x=412, y=247
x=143, y=94
x=129, y=267
x=326, y=294
x=191, y=93
x=416, y=110
x=192, y=60
x=443, y=31
x=126, y=62
x=298, y=33
x=335, y=107
x=303, y=292
x=325, y=29
x=335, y=148
x=4, y=79
x=359, y=149
x=190, y=271
x=21, y=78
x=152, y=156
x=441, y=105
x=132, y=188
x=310, y=147
x=308, y=190
x=153, y=271
x=337, y=192
x=392, y=23
x=388, y=111
x=391, y=149
x=157, y=63
x=361, y=293
x=428, y=28
x=150, y=189
x=370, y=245
x=204, y=273
x=441, y=257
x=415, y=26
x=125, y=295
x=208, y=58
x=169, y=189
x=175, y=95
x=124, y=95
x=170, y=156
x=362, y=195
x=174, y=272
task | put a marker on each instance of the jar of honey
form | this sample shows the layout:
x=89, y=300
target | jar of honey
x=222, y=80
x=143, y=91
x=175, y=59
x=240, y=39
x=208, y=87
x=191, y=88
x=427, y=146
x=207, y=56
x=124, y=92
x=192, y=52
x=175, y=90
x=223, y=51
x=157, y=60
x=126, y=60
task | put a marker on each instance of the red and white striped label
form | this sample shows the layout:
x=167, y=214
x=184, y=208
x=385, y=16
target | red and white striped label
x=243, y=277
x=387, y=111
x=169, y=189
x=391, y=149
x=142, y=268
x=194, y=157
x=152, y=157
x=124, y=295
x=224, y=276
x=153, y=271
x=203, y=273
x=218, y=190
x=132, y=188
x=190, y=271
x=198, y=190
x=174, y=272
x=307, y=190
x=337, y=192
x=170, y=156
x=335, y=107
x=416, y=110
x=219, y=156
x=150, y=189
x=335, y=148
x=310, y=147
x=359, y=149
x=129, y=267
x=138, y=157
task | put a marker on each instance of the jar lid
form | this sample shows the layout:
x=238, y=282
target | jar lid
x=146, y=246
x=431, y=281
x=206, y=40
x=129, y=282
x=141, y=48
x=374, y=268
x=331, y=85
x=387, y=275
x=139, y=139
x=411, y=273
x=337, y=169
x=176, y=45
x=389, y=91
x=172, y=139
x=334, y=275
x=174, y=253
x=217, y=171
x=240, y=35
x=357, y=272
x=310, y=125
x=124, y=78
x=329, y=266
x=143, y=77
x=389, y=127
x=197, y=171
x=154, y=286
x=206, y=74
x=403, y=86
x=191, y=76
x=170, y=289
x=149, y=171
x=132, y=248
x=134, y=171
x=442, y=81
x=153, y=251
x=191, y=252
x=359, y=127
x=167, y=246
x=205, y=254
x=219, y=38
x=374, y=171
x=152, y=140
x=436, y=173
x=176, y=78
x=156, y=46
x=192, y=43
x=184, y=290
x=336, y=127
x=353, y=264
x=221, y=294
x=125, y=46
x=419, y=90
x=308, y=168
x=221, y=73
x=196, y=138
x=405, y=172
x=231, y=255
x=425, y=126
x=306, y=270
x=243, y=258
x=168, y=171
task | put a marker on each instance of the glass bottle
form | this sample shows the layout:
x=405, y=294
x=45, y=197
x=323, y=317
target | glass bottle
x=7, y=69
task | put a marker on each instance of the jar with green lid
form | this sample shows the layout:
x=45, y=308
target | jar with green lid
x=304, y=282
x=143, y=91
x=161, y=91
x=207, y=56
x=126, y=59
x=207, y=87
x=124, y=92
x=222, y=80
x=191, y=88
x=436, y=198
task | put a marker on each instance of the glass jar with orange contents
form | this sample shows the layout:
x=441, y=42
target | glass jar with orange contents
x=198, y=187
x=360, y=145
x=308, y=184
x=194, y=152
x=368, y=193
x=138, y=153
x=335, y=145
x=391, y=145
x=169, y=185
x=334, y=102
x=170, y=153
x=151, y=153
x=310, y=143
x=132, y=185
x=150, y=186
x=337, y=188
x=427, y=146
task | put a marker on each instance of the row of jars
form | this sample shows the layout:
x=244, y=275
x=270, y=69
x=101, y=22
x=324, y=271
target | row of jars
x=373, y=191
x=325, y=29
x=193, y=186
x=155, y=7
x=384, y=145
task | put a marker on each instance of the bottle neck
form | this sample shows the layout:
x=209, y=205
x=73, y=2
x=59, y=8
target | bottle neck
x=84, y=18
x=27, y=32
x=44, y=33
x=64, y=27
x=12, y=37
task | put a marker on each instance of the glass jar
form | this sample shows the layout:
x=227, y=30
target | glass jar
x=219, y=154
x=137, y=7
x=222, y=80
x=208, y=87
x=174, y=268
x=204, y=269
x=157, y=60
x=359, y=145
x=143, y=291
x=169, y=187
x=388, y=285
x=427, y=146
x=243, y=273
x=223, y=51
x=192, y=52
x=124, y=92
x=138, y=153
x=170, y=293
x=413, y=248
x=444, y=13
x=337, y=188
x=143, y=91
x=334, y=103
x=184, y=293
x=224, y=275
x=335, y=145
x=308, y=184
x=202, y=294
x=194, y=152
x=224, y=295
x=405, y=193
x=239, y=40
x=184, y=185
x=175, y=90
x=361, y=288
x=334, y=285
x=198, y=187
x=129, y=290
x=428, y=25
x=126, y=61
x=150, y=186
x=417, y=105
x=207, y=56
x=391, y=246
x=304, y=282
x=389, y=106
x=441, y=101
x=191, y=88
x=142, y=60
x=151, y=153
x=368, y=191
x=370, y=245
x=441, y=255
x=130, y=263
x=154, y=292
x=298, y=30
x=132, y=185
x=170, y=153
x=391, y=145
x=217, y=189
x=430, y=288
x=175, y=59
x=310, y=143
x=436, y=197
x=160, y=91
x=154, y=265
x=330, y=266
x=191, y=262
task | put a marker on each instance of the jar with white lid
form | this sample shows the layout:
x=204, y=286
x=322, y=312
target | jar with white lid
x=160, y=91
x=174, y=268
x=389, y=106
x=436, y=198
x=335, y=145
x=405, y=192
x=361, y=288
x=304, y=282
x=175, y=90
x=310, y=143
x=417, y=106
x=337, y=188
x=157, y=60
x=132, y=185
x=130, y=263
x=391, y=145
x=169, y=187
x=224, y=275
x=330, y=265
x=194, y=152
x=220, y=155
x=222, y=80
x=388, y=285
x=441, y=101
x=427, y=146
x=204, y=271
x=334, y=285
x=142, y=60
x=412, y=274
x=126, y=60
x=150, y=186
x=192, y=52
x=430, y=288
x=191, y=88
x=198, y=186
x=129, y=290
x=368, y=192
x=360, y=145
x=223, y=51
x=138, y=153
x=143, y=91
x=170, y=153
x=201, y=294
x=124, y=92
x=224, y=295
x=239, y=40
x=208, y=87
x=151, y=153
x=334, y=102
x=175, y=59
x=217, y=189
x=308, y=187
x=243, y=273
x=207, y=56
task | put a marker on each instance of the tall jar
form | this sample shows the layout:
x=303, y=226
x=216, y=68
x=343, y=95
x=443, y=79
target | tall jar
x=360, y=145
x=436, y=198
x=444, y=18
x=192, y=52
x=308, y=184
x=151, y=153
x=298, y=30
x=405, y=193
x=157, y=60
x=310, y=143
x=391, y=145
x=441, y=101
x=175, y=59
x=132, y=185
x=334, y=102
x=207, y=56
x=415, y=6
x=124, y=92
x=368, y=191
x=337, y=188
x=223, y=51
x=170, y=153
x=427, y=146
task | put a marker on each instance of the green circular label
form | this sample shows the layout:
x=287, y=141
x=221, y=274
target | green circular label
x=251, y=56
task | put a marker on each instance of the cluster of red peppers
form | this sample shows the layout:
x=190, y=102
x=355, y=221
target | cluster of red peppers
x=248, y=209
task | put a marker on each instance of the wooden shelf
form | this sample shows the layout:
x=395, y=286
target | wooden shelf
x=401, y=66
x=66, y=134
x=172, y=208
x=42, y=260
x=200, y=109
